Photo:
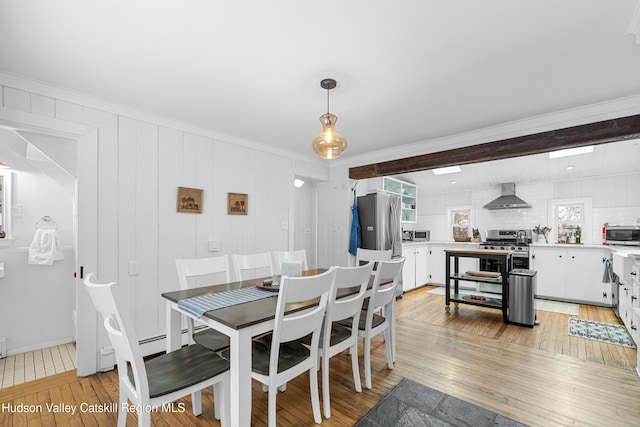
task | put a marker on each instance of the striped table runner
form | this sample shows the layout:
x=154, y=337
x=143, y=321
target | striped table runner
x=200, y=305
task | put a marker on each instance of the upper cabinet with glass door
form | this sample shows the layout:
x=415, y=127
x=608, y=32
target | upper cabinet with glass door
x=408, y=197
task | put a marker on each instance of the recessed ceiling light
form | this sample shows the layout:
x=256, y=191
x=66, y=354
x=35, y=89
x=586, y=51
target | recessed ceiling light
x=448, y=169
x=569, y=167
x=571, y=152
x=298, y=183
x=452, y=182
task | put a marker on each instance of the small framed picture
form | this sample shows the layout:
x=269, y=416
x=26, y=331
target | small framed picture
x=189, y=200
x=238, y=204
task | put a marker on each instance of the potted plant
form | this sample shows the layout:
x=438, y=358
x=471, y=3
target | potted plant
x=541, y=233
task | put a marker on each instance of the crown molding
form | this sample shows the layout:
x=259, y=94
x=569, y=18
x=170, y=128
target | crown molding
x=67, y=95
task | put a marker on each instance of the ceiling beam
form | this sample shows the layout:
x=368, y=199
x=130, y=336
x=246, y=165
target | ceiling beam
x=603, y=132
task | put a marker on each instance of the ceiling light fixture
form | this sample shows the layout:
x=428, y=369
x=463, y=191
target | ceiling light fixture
x=569, y=167
x=298, y=183
x=329, y=144
x=571, y=152
x=448, y=169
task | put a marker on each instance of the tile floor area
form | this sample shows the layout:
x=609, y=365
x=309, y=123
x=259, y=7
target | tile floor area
x=20, y=368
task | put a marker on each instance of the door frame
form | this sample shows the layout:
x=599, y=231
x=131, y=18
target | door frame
x=85, y=211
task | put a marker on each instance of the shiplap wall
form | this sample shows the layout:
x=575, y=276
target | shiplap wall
x=141, y=163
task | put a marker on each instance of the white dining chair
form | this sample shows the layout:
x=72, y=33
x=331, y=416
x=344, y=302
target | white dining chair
x=377, y=318
x=338, y=338
x=278, y=357
x=297, y=255
x=162, y=379
x=367, y=255
x=204, y=271
x=246, y=267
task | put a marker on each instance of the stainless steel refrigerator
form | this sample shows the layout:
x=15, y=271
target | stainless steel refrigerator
x=379, y=217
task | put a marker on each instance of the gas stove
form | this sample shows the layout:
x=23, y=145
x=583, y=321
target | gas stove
x=516, y=241
x=513, y=240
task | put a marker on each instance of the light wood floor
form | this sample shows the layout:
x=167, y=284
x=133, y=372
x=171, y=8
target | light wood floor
x=539, y=376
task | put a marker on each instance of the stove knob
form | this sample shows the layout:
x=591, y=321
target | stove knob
x=513, y=248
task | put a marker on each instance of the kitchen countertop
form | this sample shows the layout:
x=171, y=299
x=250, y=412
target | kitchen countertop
x=439, y=242
x=568, y=245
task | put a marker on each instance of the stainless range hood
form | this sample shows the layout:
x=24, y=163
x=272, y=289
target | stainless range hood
x=508, y=199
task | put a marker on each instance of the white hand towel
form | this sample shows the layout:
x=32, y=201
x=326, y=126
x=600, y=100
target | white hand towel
x=45, y=248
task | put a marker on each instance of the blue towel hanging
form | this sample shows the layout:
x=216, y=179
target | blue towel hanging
x=356, y=239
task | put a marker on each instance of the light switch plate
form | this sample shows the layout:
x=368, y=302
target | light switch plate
x=214, y=245
x=134, y=268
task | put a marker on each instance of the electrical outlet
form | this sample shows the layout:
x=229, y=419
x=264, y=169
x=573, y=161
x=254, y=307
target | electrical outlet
x=134, y=268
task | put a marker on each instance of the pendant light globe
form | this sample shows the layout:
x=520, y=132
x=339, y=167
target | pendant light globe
x=329, y=144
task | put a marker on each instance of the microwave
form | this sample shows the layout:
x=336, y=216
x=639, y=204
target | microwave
x=421, y=235
x=622, y=235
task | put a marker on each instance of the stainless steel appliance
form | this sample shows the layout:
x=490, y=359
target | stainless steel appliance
x=512, y=240
x=421, y=235
x=522, y=291
x=507, y=240
x=379, y=217
x=628, y=235
x=507, y=199
x=407, y=235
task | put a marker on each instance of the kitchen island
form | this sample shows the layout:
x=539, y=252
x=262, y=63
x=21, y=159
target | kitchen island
x=503, y=256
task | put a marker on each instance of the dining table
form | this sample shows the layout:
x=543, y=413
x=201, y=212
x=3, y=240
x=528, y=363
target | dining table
x=241, y=322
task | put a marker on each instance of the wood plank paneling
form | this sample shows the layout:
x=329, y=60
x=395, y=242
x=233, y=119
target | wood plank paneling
x=150, y=320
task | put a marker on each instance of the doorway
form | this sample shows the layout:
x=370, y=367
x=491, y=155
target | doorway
x=84, y=224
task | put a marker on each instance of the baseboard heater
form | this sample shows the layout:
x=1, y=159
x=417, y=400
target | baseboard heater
x=149, y=346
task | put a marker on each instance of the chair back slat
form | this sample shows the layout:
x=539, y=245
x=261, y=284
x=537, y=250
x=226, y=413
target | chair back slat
x=293, y=290
x=121, y=335
x=298, y=255
x=371, y=255
x=214, y=270
x=246, y=267
x=384, y=294
x=349, y=277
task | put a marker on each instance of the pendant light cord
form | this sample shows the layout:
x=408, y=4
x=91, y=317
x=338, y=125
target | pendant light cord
x=328, y=101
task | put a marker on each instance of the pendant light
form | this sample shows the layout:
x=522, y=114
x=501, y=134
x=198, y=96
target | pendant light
x=329, y=144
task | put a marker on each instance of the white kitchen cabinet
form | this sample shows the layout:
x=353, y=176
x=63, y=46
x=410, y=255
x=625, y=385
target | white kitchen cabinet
x=573, y=274
x=436, y=264
x=408, y=197
x=550, y=268
x=625, y=304
x=437, y=272
x=415, y=272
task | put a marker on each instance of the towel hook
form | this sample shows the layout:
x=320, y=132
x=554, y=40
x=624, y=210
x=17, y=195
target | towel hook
x=46, y=219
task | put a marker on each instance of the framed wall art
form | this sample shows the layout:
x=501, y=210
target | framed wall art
x=237, y=204
x=189, y=200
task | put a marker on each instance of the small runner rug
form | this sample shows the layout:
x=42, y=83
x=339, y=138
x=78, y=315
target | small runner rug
x=597, y=331
x=413, y=404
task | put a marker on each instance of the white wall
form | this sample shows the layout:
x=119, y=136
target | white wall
x=37, y=301
x=613, y=201
x=141, y=162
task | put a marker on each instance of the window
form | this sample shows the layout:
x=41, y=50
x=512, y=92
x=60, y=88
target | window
x=571, y=220
x=460, y=223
